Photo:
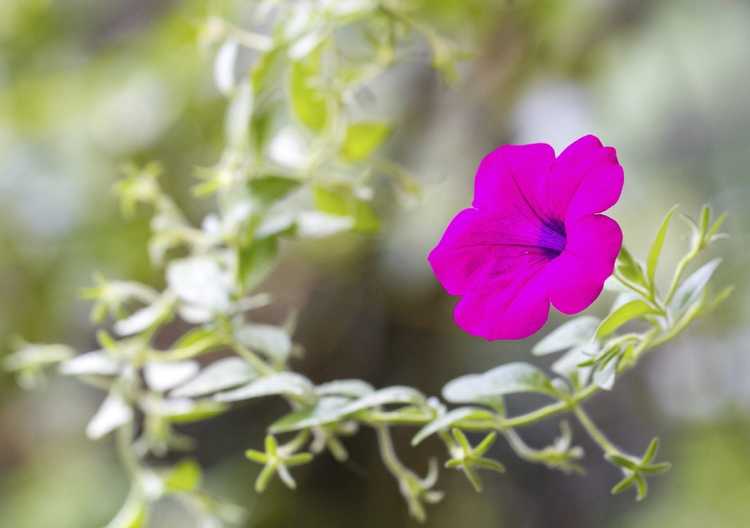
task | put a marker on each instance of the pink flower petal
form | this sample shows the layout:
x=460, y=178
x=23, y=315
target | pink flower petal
x=512, y=180
x=586, y=179
x=577, y=277
x=513, y=308
x=477, y=245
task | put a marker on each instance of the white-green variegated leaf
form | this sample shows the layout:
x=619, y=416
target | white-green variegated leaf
x=97, y=363
x=113, y=413
x=447, y=420
x=220, y=375
x=273, y=341
x=490, y=386
x=387, y=396
x=287, y=383
x=328, y=409
x=571, y=333
x=351, y=388
x=166, y=375
x=692, y=288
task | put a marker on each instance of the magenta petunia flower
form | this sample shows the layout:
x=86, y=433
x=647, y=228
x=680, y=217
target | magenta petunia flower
x=532, y=237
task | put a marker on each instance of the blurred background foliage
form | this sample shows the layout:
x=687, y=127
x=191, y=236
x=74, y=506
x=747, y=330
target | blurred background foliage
x=85, y=87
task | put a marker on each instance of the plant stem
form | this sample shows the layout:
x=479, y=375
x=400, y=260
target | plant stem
x=594, y=432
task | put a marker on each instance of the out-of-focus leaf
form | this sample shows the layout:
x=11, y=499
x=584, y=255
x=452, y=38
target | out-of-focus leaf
x=307, y=99
x=132, y=514
x=184, y=477
x=112, y=414
x=328, y=409
x=623, y=315
x=490, y=386
x=692, y=288
x=220, y=375
x=314, y=224
x=448, y=419
x=389, y=395
x=270, y=189
x=340, y=201
x=36, y=355
x=98, y=363
x=362, y=139
x=287, y=383
x=351, y=388
x=257, y=260
x=200, y=282
x=147, y=317
x=656, y=247
x=224, y=64
x=239, y=112
x=165, y=375
x=571, y=333
x=273, y=341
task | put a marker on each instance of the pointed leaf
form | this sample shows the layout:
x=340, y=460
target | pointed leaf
x=571, y=333
x=113, y=413
x=287, y=383
x=656, y=247
x=362, y=139
x=624, y=314
x=220, y=375
x=445, y=421
x=692, y=288
x=505, y=379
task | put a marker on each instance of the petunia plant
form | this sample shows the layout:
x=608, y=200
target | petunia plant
x=299, y=163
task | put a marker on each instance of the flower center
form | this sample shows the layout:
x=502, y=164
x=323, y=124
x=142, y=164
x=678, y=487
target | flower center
x=552, y=237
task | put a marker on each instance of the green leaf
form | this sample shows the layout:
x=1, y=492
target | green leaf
x=692, y=288
x=238, y=114
x=362, y=139
x=222, y=374
x=184, y=477
x=445, y=421
x=308, y=101
x=390, y=395
x=572, y=333
x=287, y=383
x=489, y=387
x=352, y=388
x=623, y=315
x=270, y=189
x=656, y=247
x=630, y=268
x=97, y=363
x=328, y=409
x=264, y=69
x=272, y=341
x=256, y=261
x=339, y=200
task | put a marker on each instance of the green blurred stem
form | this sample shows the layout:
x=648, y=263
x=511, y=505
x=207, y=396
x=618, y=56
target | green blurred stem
x=388, y=454
x=595, y=433
x=125, y=451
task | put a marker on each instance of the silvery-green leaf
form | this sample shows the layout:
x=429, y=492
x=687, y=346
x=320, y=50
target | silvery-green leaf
x=306, y=44
x=36, y=355
x=201, y=282
x=98, y=363
x=226, y=58
x=314, y=224
x=112, y=414
x=271, y=340
x=605, y=377
x=222, y=374
x=389, y=395
x=568, y=363
x=195, y=314
x=692, y=288
x=444, y=422
x=145, y=317
x=165, y=375
x=490, y=386
x=182, y=410
x=351, y=388
x=287, y=383
x=275, y=224
x=289, y=148
x=238, y=115
x=328, y=409
x=574, y=332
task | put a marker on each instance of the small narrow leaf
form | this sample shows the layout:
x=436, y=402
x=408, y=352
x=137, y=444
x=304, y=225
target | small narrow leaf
x=184, y=477
x=623, y=315
x=630, y=268
x=256, y=261
x=656, y=247
x=307, y=99
x=389, y=395
x=692, y=288
x=163, y=375
x=448, y=419
x=220, y=375
x=352, y=388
